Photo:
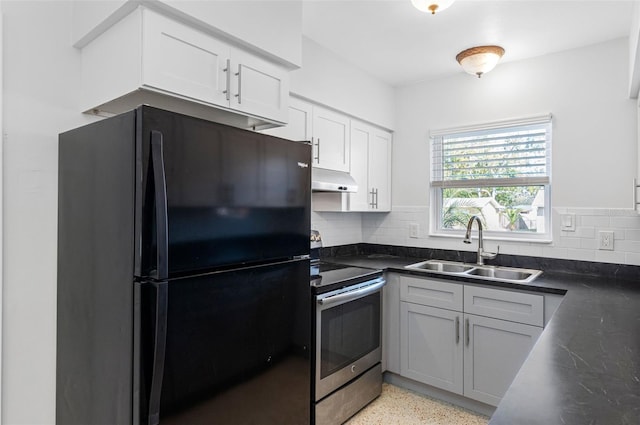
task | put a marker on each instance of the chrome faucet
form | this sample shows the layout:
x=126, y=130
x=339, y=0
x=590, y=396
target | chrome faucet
x=467, y=239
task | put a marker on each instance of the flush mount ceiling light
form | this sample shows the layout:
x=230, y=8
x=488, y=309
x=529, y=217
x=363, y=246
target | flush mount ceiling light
x=432, y=6
x=479, y=60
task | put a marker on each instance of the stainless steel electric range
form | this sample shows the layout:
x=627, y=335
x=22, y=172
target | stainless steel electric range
x=347, y=334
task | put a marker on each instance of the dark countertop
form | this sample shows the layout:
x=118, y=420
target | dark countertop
x=585, y=367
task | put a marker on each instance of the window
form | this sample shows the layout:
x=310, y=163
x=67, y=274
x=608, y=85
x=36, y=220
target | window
x=500, y=172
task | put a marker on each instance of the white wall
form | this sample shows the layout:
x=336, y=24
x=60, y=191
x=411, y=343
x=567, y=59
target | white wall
x=41, y=75
x=594, y=149
x=594, y=121
x=330, y=80
x=91, y=14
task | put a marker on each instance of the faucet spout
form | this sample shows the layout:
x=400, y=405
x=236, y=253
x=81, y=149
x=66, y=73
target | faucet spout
x=467, y=236
x=467, y=239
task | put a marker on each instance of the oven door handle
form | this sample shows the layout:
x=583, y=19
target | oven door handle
x=352, y=295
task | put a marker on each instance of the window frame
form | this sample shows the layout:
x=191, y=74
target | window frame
x=435, y=190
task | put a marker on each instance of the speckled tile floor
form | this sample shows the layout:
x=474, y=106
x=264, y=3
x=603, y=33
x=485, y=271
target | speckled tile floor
x=397, y=406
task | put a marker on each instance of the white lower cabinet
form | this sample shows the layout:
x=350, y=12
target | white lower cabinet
x=467, y=354
x=430, y=346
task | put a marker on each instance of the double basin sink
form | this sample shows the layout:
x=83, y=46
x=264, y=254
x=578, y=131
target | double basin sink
x=483, y=272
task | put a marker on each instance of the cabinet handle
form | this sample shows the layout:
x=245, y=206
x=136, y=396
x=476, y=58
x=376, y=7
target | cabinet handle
x=317, y=158
x=372, y=204
x=315, y=145
x=228, y=78
x=239, y=74
x=376, y=198
x=457, y=329
x=466, y=330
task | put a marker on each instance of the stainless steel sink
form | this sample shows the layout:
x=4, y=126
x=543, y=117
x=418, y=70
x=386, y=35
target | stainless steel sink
x=453, y=268
x=441, y=266
x=501, y=273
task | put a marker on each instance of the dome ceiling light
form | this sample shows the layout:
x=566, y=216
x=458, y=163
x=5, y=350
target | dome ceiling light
x=479, y=60
x=432, y=6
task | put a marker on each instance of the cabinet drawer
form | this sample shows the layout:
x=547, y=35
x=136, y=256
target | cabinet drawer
x=433, y=293
x=507, y=305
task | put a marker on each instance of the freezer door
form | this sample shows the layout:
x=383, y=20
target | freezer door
x=232, y=196
x=236, y=348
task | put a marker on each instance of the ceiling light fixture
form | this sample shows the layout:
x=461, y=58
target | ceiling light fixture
x=479, y=60
x=432, y=6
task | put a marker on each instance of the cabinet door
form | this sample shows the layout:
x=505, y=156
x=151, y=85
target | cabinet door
x=380, y=169
x=370, y=167
x=494, y=352
x=431, y=346
x=184, y=61
x=331, y=139
x=361, y=135
x=259, y=87
x=298, y=125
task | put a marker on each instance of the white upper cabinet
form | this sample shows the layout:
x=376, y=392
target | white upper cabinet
x=330, y=139
x=370, y=160
x=150, y=58
x=361, y=136
x=328, y=131
x=232, y=20
x=184, y=61
x=259, y=87
x=380, y=169
x=298, y=124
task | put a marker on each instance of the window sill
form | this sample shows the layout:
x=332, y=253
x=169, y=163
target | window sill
x=543, y=239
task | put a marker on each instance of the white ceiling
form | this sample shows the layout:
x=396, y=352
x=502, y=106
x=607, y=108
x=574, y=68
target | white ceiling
x=398, y=44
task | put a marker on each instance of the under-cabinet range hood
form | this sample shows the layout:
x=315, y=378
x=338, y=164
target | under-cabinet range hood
x=323, y=180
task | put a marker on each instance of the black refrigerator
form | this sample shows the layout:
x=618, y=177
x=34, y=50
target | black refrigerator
x=183, y=274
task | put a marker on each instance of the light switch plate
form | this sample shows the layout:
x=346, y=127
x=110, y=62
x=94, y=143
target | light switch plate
x=568, y=222
x=413, y=230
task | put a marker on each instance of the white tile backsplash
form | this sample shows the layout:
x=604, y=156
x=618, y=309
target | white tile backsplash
x=393, y=229
x=338, y=228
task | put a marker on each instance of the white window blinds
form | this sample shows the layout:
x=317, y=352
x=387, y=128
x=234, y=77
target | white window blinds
x=506, y=153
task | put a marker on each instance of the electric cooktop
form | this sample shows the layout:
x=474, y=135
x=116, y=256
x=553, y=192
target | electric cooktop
x=326, y=276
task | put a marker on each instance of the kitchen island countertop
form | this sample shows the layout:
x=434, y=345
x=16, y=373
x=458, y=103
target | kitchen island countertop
x=585, y=367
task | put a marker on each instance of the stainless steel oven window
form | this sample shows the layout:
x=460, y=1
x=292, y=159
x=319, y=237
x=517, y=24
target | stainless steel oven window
x=349, y=331
x=348, y=335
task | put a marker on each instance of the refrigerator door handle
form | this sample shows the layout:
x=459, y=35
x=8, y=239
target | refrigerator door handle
x=160, y=191
x=159, y=350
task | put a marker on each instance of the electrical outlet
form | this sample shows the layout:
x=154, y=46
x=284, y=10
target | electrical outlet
x=605, y=240
x=413, y=230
